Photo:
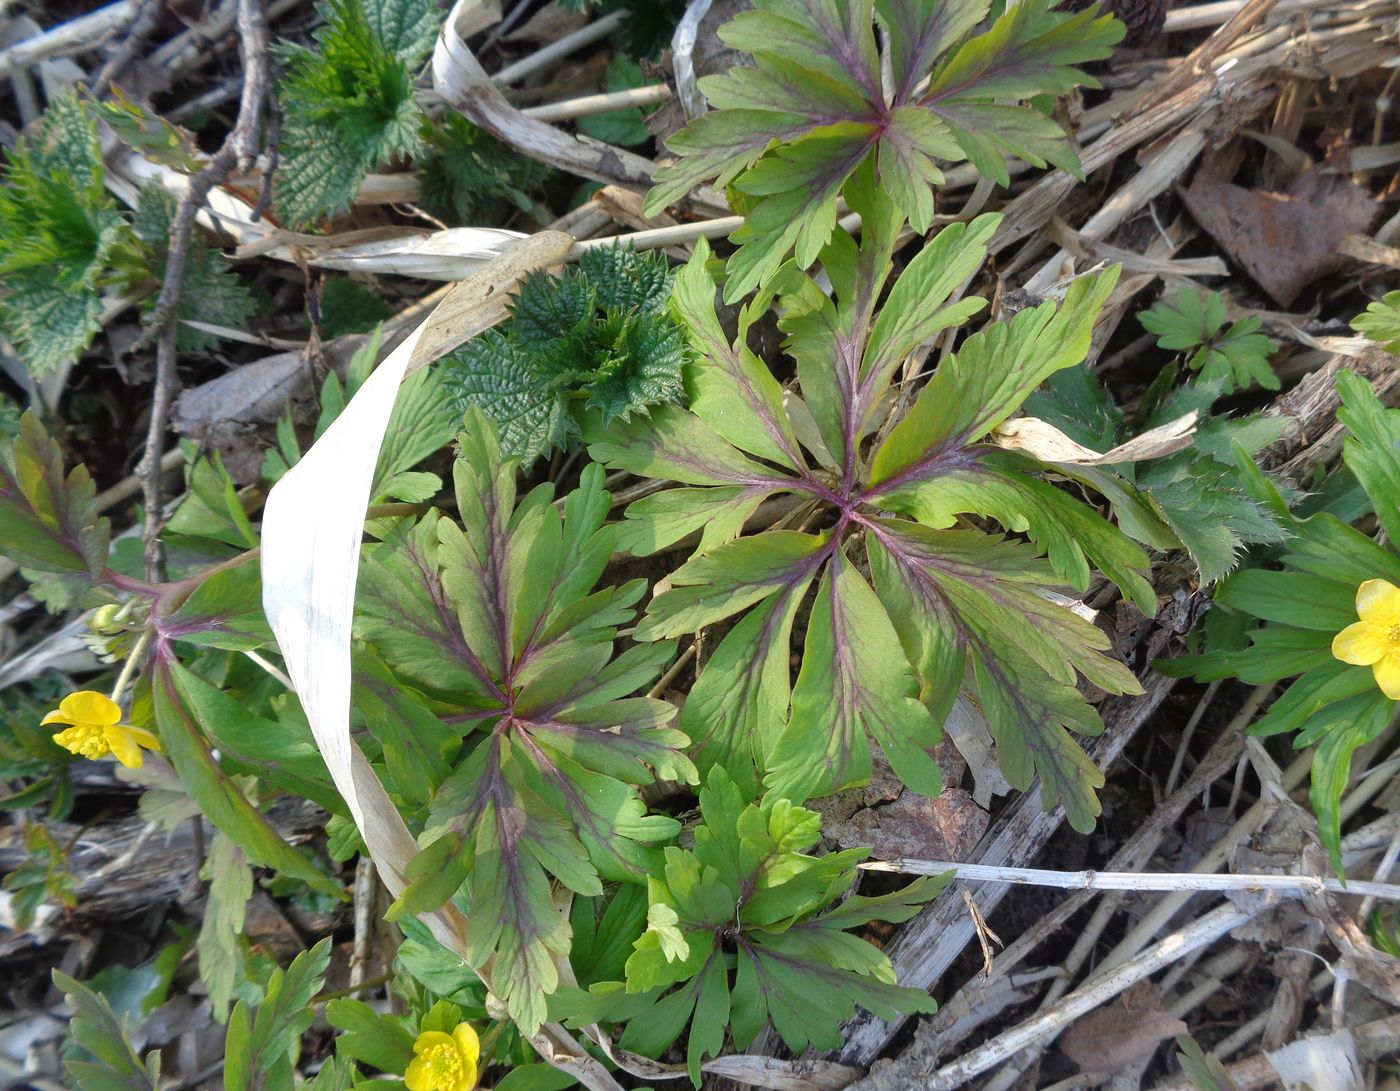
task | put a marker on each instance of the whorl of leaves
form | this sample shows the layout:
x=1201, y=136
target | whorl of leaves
x=1231, y=354
x=495, y=625
x=748, y=886
x=885, y=653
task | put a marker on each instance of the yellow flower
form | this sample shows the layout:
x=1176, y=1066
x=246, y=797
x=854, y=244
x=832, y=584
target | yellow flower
x=445, y=1062
x=97, y=729
x=1374, y=641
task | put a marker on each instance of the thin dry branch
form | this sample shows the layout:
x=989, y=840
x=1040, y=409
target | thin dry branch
x=239, y=148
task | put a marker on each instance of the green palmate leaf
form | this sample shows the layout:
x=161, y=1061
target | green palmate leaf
x=349, y=105
x=853, y=681
x=1233, y=356
x=498, y=621
x=595, y=342
x=790, y=131
x=59, y=233
x=95, y=1028
x=1380, y=321
x=749, y=885
x=48, y=521
x=948, y=608
x=259, y=1049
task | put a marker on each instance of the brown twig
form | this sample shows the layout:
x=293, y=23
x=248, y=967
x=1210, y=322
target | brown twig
x=138, y=32
x=238, y=150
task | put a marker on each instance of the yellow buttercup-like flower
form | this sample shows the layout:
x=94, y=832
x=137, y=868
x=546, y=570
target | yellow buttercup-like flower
x=97, y=729
x=1374, y=641
x=445, y=1062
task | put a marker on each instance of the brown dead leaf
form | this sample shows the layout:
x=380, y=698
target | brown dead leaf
x=1111, y=1039
x=946, y=828
x=1285, y=241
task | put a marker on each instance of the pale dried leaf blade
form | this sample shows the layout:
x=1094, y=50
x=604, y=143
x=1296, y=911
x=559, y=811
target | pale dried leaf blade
x=311, y=550
x=1325, y=1062
x=1041, y=439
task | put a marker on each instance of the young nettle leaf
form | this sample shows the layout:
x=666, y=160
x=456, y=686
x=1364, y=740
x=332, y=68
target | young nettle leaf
x=468, y=176
x=906, y=610
x=597, y=341
x=211, y=292
x=790, y=131
x=741, y=930
x=349, y=105
x=1233, y=356
x=1330, y=615
x=498, y=620
x=59, y=232
x=1380, y=321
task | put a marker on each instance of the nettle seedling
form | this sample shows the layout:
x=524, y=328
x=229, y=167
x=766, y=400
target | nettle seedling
x=911, y=604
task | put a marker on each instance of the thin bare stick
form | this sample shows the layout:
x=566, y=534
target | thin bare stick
x=70, y=37
x=586, y=105
x=137, y=34
x=1135, y=880
x=570, y=43
x=1054, y=1019
x=238, y=150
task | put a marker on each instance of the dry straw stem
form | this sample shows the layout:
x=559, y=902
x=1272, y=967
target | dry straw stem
x=1055, y=1018
x=1137, y=880
x=70, y=37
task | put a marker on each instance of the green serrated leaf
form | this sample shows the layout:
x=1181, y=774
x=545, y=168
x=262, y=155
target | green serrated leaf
x=813, y=109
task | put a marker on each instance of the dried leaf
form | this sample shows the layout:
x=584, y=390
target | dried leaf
x=1044, y=441
x=1326, y=1062
x=1285, y=241
x=1111, y=1039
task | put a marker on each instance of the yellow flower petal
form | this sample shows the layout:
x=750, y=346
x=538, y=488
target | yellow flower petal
x=419, y=1076
x=143, y=737
x=1361, y=643
x=1387, y=674
x=430, y=1038
x=469, y=1045
x=1377, y=595
x=124, y=747
x=467, y=1041
x=90, y=707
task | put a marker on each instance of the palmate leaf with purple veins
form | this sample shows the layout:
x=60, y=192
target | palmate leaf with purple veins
x=886, y=650
x=497, y=624
x=791, y=130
